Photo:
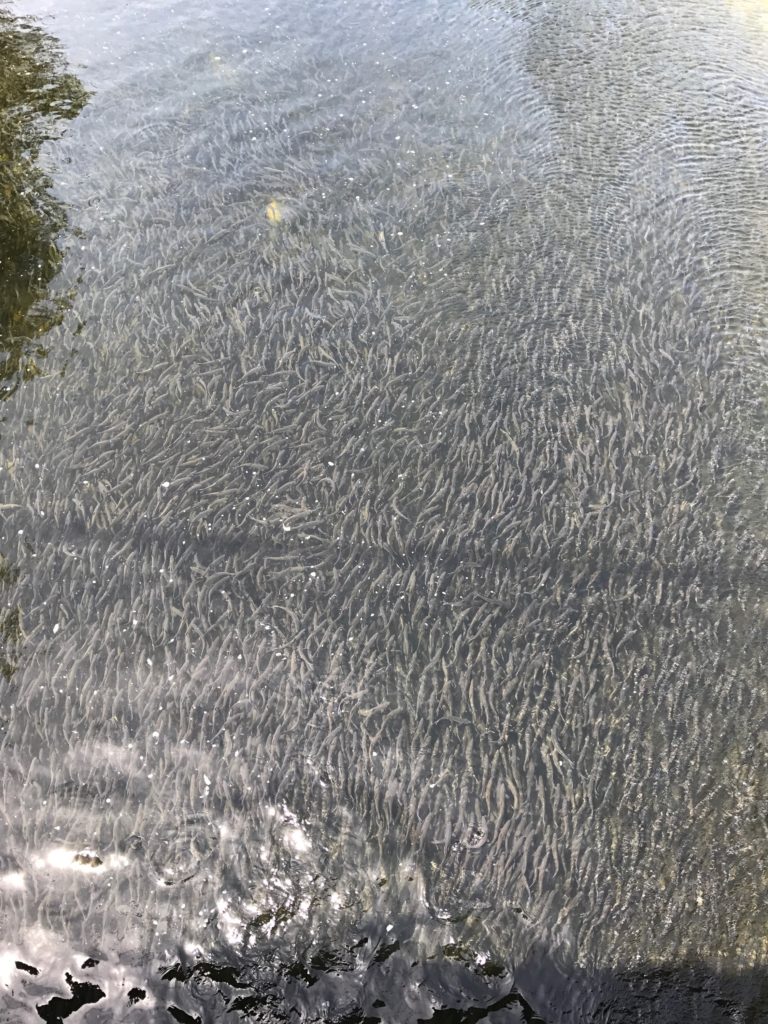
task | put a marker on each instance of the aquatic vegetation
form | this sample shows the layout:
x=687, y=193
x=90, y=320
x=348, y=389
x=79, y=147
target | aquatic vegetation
x=36, y=95
x=11, y=632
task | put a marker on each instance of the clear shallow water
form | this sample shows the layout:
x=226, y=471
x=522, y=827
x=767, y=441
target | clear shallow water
x=384, y=536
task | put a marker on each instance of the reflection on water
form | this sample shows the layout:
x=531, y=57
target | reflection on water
x=393, y=561
x=754, y=13
x=36, y=94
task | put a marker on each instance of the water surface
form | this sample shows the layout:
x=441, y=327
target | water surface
x=383, y=495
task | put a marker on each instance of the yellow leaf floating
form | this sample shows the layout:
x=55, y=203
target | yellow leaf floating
x=274, y=212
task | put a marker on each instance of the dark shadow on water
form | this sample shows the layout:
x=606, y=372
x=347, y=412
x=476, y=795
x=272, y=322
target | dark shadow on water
x=368, y=982
x=671, y=993
x=37, y=94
